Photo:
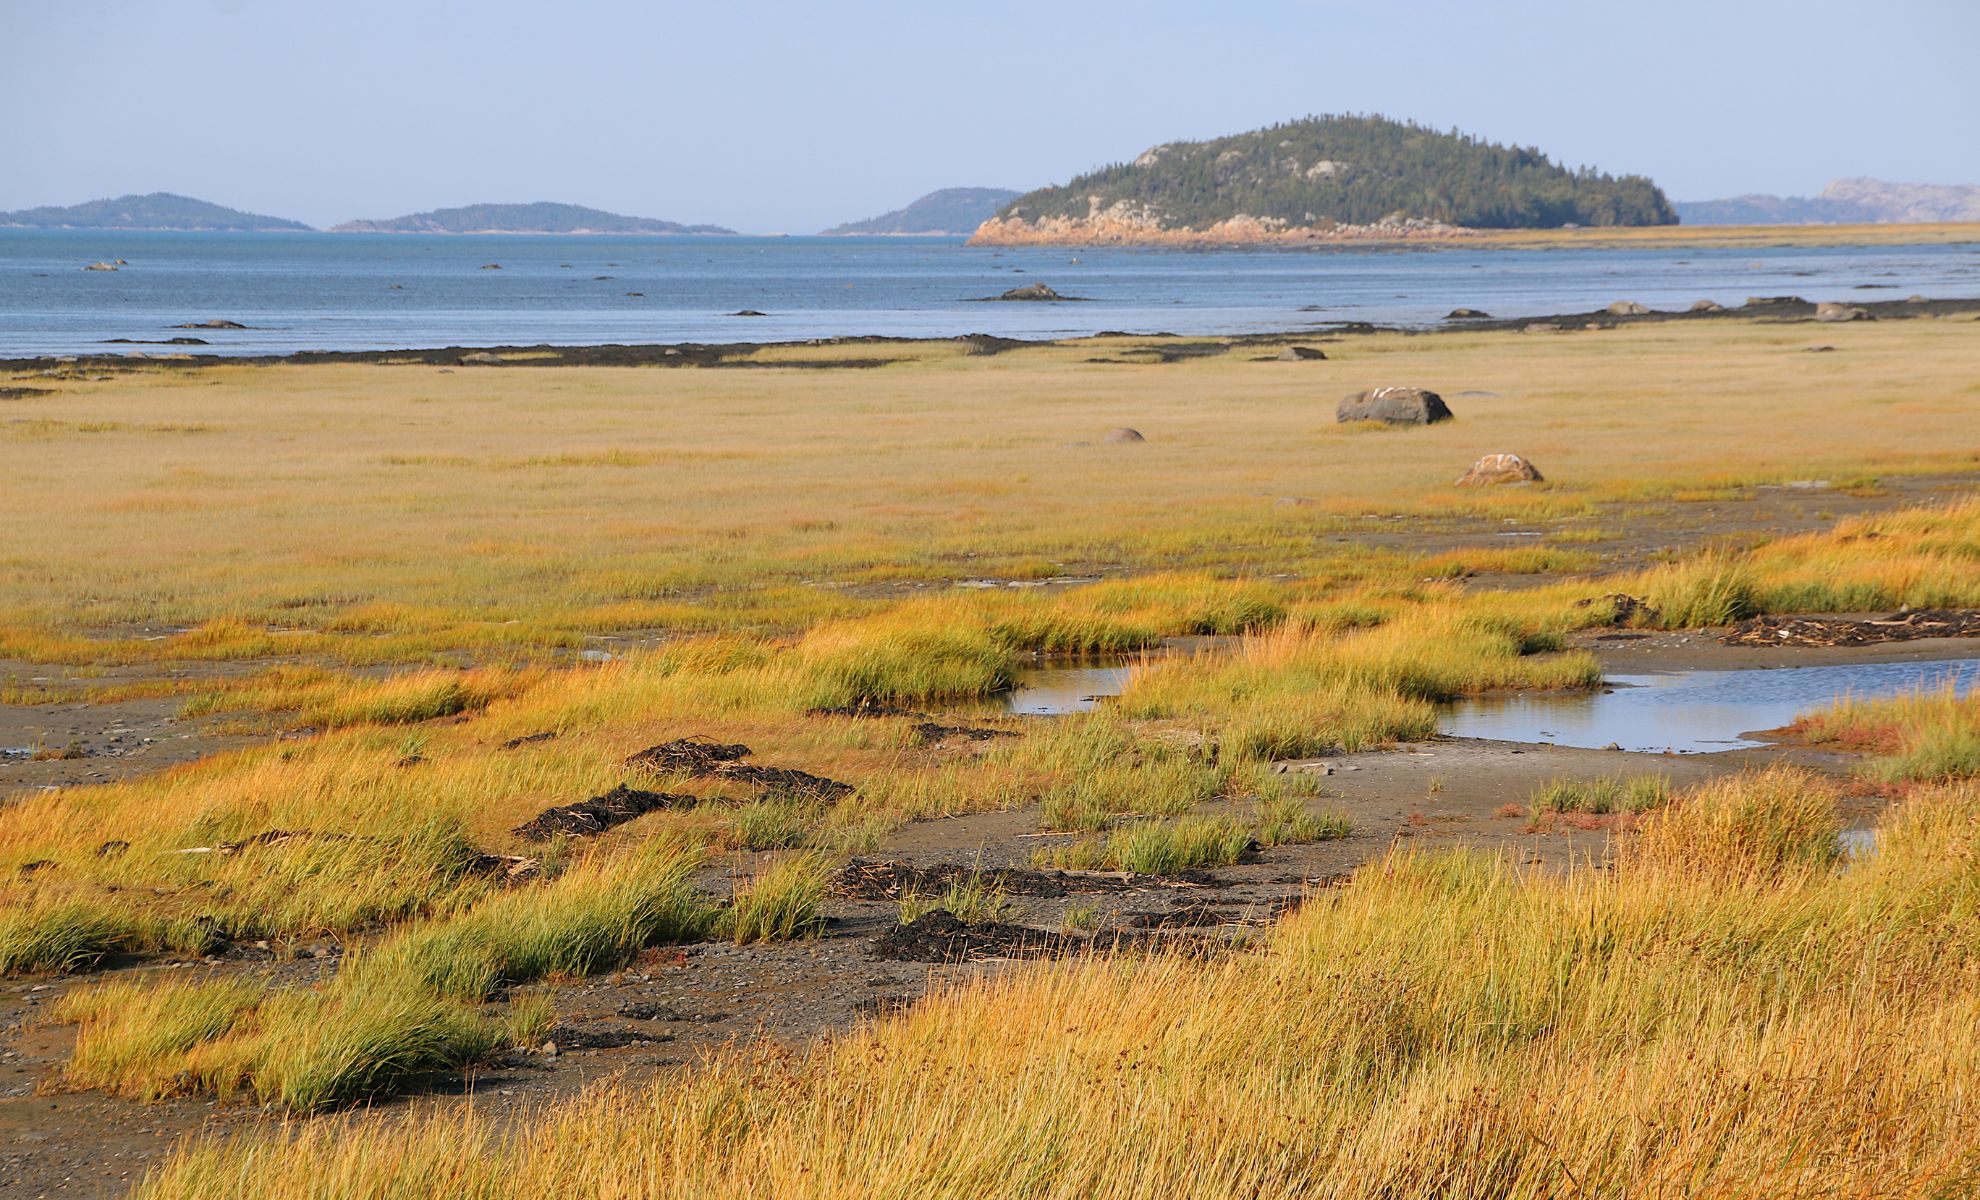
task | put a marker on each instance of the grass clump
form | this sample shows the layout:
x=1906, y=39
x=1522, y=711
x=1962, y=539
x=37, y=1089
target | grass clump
x=1157, y=847
x=1924, y=735
x=1603, y=794
x=1287, y=821
x=780, y=903
x=45, y=937
x=1758, y=825
x=971, y=899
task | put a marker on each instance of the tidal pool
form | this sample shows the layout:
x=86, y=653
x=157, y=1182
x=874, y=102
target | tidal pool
x=1057, y=690
x=1692, y=712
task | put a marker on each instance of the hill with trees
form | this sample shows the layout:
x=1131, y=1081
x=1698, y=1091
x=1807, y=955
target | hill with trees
x=1330, y=176
x=154, y=211
x=950, y=210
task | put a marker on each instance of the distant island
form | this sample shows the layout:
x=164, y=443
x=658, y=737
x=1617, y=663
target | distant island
x=1319, y=179
x=950, y=210
x=541, y=217
x=158, y=211
x=1844, y=202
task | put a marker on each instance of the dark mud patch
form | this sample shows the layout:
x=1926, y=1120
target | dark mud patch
x=693, y=755
x=785, y=780
x=1845, y=631
x=600, y=813
x=939, y=937
x=892, y=880
x=935, y=731
x=581, y=1037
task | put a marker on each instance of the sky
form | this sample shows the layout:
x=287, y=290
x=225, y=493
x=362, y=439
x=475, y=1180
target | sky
x=770, y=116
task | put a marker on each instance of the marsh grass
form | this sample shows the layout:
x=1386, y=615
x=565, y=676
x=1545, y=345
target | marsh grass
x=396, y=1010
x=1288, y=821
x=1602, y=794
x=1925, y=735
x=1446, y=1024
x=970, y=898
x=1157, y=847
x=780, y=902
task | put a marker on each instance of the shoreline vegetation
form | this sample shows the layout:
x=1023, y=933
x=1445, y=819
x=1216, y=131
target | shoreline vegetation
x=549, y=685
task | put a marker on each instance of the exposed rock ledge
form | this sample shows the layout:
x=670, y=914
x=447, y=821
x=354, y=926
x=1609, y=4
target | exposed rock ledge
x=1114, y=229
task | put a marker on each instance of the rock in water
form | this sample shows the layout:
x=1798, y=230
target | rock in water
x=1301, y=354
x=1830, y=311
x=1627, y=308
x=1500, y=468
x=1033, y=291
x=1124, y=434
x=1394, y=406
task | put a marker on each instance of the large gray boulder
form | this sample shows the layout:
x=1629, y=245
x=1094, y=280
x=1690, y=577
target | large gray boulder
x=1394, y=406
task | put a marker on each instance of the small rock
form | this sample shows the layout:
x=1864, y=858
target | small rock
x=1500, y=468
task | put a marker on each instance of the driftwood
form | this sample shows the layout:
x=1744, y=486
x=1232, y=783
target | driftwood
x=1844, y=631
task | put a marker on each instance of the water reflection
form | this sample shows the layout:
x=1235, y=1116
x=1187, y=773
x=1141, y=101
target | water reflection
x=1691, y=712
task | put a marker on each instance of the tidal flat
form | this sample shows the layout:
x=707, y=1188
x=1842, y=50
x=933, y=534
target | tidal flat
x=441, y=778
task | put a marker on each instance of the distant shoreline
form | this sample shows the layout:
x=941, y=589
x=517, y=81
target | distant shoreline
x=1775, y=311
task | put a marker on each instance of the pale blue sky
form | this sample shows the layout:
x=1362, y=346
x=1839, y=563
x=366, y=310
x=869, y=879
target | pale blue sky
x=775, y=116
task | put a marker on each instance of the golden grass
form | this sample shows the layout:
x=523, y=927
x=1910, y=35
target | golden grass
x=388, y=514
x=1444, y=1025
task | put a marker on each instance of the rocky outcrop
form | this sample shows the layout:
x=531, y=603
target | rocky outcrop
x=1125, y=226
x=1500, y=468
x=1394, y=406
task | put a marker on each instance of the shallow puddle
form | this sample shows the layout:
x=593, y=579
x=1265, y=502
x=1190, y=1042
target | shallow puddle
x=1055, y=691
x=1692, y=712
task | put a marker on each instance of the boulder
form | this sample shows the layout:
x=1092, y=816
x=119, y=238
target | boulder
x=1033, y=292
x=1707, y=306
x=1123, y=435
x=482, y=358
x=1301, y=354
x=1500, y=468
x=1468, y=314
x=1830, y=311
x=1394, y=406
x=1627, y=308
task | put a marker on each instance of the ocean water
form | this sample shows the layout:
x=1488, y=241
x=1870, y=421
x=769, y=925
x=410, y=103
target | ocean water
x=357, y=292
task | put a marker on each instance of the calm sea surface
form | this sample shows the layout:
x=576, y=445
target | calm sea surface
x=355, y=291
